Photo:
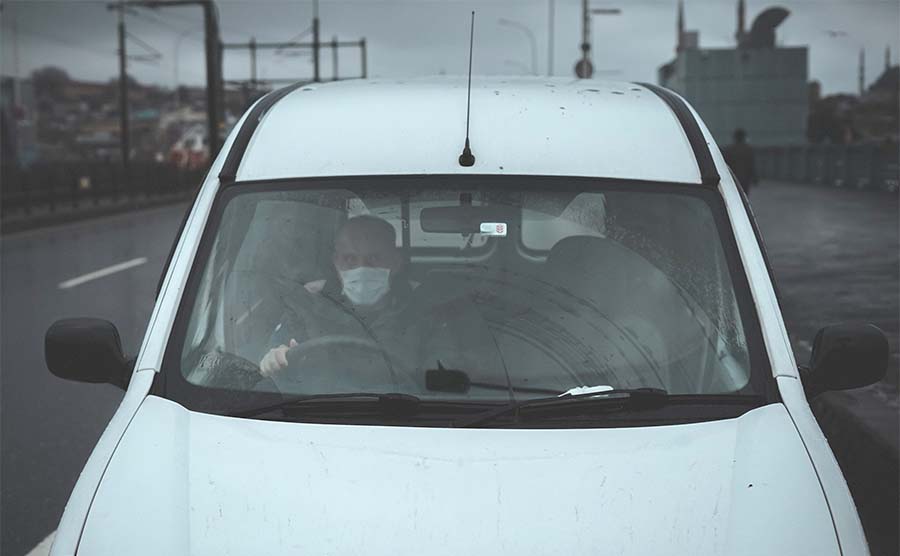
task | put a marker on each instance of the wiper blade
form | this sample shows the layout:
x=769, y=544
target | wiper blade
x=392, y=404
x=634, y=398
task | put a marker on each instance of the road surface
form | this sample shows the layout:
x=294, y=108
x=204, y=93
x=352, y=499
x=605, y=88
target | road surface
x=49, y=426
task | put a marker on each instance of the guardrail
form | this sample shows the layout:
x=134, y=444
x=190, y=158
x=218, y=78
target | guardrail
x=50, y=186
x=854, y=166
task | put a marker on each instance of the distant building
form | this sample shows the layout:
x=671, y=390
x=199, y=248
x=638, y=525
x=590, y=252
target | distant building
x=871, y=118
x=877, y=117
x=191, y=150
x=52, y=117
x=757, y=85
x=17, y=117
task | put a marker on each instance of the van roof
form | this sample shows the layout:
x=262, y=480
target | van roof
x=524, y=126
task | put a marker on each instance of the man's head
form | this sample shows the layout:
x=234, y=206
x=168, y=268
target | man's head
x=740, y=136
x=365, y=255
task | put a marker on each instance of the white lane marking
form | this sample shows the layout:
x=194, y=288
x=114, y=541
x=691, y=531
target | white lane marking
x=43, y=547
x=101, y=273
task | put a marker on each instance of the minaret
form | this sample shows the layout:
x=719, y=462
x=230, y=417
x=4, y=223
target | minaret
x=679, y=45
x=739, y=34
x=887, y=58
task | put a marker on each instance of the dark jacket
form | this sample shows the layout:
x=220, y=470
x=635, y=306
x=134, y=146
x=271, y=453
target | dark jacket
x=414, y=332
x=739, y=157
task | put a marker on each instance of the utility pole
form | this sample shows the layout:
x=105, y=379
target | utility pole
x=213, y=46
x=316, y=46
x=862, y=71
x=17, y=91
x=253, y=79
x=334, y=44
x=214, y=108
x=585, y=69
x=364, y=61
x=334, y=58
x=124, y=132
x=552, y=9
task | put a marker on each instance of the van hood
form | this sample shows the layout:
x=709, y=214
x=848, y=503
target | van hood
x=182, y=482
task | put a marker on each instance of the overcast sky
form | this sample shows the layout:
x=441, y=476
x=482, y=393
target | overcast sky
x=427, y=37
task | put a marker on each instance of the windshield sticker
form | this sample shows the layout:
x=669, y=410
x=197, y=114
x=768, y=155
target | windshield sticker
x=493, y=229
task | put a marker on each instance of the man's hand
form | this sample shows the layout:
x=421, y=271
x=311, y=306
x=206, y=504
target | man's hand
x=275, y=360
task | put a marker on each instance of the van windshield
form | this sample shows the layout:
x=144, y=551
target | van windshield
x=528, y=286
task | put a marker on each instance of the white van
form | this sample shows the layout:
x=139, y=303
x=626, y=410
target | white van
x=566, y=341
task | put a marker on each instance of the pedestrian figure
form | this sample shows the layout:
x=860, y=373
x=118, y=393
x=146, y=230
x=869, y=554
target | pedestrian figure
x=739, y=156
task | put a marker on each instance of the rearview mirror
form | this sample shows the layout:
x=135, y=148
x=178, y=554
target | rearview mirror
x=461, y=219
x=86, y=350
x=845, y=356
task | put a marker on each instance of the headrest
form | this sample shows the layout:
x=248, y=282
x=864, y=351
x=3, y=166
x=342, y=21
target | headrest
x=587, y=264
x=584, y=252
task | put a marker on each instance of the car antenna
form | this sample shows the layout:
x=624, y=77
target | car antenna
x=467, y=158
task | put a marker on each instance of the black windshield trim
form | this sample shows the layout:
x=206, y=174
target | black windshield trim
x=177, y=388
x=444, y=415
x=247, y=130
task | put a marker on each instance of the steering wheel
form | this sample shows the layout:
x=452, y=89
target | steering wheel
x=299, y=377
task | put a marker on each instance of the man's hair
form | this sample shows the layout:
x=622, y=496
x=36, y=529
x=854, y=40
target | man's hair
x=371, y=225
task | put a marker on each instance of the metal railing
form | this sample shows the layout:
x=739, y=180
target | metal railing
x=855, y=166
x=52, y=186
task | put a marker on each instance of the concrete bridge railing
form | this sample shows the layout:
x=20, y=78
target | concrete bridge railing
x=872, y=167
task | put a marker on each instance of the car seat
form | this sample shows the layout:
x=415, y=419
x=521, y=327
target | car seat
x=604, y=302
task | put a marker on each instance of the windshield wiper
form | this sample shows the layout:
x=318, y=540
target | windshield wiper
x=392, y=404
x=627, y=399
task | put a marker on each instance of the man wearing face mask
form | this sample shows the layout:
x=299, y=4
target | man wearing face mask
x=370, y=298
x=365, y=258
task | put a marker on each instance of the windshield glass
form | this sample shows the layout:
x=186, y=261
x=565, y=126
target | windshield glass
x=528, y=286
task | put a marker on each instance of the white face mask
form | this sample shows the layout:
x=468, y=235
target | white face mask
x=365, y=285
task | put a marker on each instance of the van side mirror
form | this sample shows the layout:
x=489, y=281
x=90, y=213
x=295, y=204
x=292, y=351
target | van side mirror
x=845, y=356
x=86, y=350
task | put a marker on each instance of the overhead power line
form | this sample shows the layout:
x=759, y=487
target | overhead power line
x=153, y=54
x=296, y=38
x=159, y=22
x=65, y=42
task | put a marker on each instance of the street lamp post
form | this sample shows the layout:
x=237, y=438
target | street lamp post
x=124, y=132
x=551, y=8
x=584, y=68
x=532, y=41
